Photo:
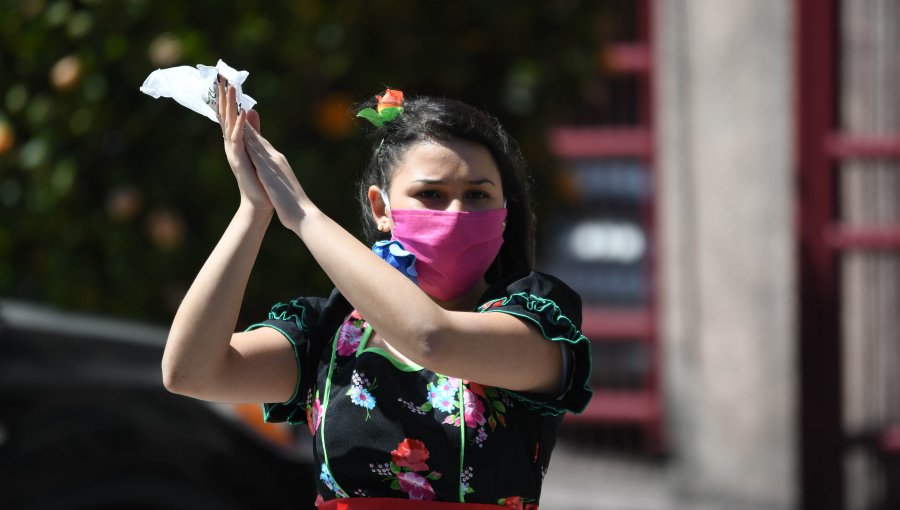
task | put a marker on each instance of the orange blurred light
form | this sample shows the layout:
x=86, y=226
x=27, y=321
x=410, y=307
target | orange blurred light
x=333, y=116
x=123, y=203
x=66, y=73
x=566, y=187
x=166, y=229
x=165, y=50
x=7, y=137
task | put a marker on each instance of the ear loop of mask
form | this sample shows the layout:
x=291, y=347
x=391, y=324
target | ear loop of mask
x=387, y=202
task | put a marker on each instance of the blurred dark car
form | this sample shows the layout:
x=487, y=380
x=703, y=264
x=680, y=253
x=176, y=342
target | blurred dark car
x=85, y=423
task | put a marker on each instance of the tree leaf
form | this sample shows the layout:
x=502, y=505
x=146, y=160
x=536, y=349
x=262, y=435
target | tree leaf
x=395, y=468
x=395, y=485
x=492, y=422
x=434, y=475
x=426, y=406
x=499, y=406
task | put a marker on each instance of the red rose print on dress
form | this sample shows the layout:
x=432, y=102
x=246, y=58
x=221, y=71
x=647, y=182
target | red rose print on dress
x=518, y=502
x=412, y=454
x=409, y=457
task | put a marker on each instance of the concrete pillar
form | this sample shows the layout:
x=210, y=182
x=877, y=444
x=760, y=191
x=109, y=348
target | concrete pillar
x=724, y=97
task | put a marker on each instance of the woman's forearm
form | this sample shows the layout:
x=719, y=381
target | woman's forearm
x=201, y=331
x=496, y=349
x=394, y=305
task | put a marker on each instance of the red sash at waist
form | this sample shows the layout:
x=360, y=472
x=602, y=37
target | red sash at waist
x=400, y=504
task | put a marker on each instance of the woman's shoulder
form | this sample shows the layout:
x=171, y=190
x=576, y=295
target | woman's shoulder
x=307, y=312
x=534, y=285
x=554, y=309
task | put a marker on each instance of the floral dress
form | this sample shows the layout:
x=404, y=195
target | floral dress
x=387, y=429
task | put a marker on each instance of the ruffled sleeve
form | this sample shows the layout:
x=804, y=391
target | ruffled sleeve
x=554, y=310
x=298, y=320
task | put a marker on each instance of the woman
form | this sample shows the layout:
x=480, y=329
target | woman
x=443, y=381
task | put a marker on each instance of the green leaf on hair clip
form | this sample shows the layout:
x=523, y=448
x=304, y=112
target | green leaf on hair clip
x=390, y=113
x=372, y=116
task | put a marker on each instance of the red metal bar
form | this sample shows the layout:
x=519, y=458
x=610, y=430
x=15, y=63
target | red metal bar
x=604, y=324
x=844, y=146
x=890, y=440
x=640, y=407
x=601, y=142
x=625, y=58
x=821, y=435
x=646, y=33
x=857, y=238
x=653, y=428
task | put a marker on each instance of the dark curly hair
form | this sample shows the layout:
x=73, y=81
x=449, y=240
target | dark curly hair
x=440, y=120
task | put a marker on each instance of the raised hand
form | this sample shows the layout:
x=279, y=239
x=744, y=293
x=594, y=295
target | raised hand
x=232, y=123
x=278, y=179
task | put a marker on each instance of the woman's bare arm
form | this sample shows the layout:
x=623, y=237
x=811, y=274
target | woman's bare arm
x=493, y=349
x=203, y=357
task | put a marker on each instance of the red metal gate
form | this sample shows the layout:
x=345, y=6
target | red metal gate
x=823, y=239
x=611, y=145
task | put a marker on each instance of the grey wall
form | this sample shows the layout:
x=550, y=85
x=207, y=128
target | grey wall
x=724, y=96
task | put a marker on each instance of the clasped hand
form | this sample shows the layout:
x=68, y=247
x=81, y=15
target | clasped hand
x=265, y=178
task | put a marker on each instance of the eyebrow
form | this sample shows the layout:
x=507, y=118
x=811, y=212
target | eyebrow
x=441, y=181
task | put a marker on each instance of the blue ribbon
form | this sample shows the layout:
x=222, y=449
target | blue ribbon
x=394, y=254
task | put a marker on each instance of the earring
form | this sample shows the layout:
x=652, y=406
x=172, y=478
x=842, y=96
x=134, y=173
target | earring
x=383, y=226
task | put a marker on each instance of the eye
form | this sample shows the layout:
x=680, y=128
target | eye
x=428, y=194
x=478, y=195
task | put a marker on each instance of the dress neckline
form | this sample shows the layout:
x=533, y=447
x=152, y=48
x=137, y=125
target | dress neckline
x=364, y=347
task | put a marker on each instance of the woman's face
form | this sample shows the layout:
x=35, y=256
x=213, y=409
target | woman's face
x=456, y=175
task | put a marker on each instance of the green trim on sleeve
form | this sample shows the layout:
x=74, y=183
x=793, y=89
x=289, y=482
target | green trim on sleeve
x=267, y=412
x=538, y=305
x=283, y=315
x=572, y=335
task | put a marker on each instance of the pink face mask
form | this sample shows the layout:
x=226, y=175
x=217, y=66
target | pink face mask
x=453, y=249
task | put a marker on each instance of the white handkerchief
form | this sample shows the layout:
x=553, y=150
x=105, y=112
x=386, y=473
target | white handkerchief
x=195, y=87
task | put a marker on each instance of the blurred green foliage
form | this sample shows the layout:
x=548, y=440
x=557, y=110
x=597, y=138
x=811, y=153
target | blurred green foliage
x=110, y=201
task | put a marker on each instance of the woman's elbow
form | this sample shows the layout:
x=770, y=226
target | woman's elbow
x=172, y=377
x=177, y=377
x=429, y=344
x=181, y=382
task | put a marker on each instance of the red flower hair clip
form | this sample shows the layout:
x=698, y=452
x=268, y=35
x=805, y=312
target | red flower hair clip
x=390, y=105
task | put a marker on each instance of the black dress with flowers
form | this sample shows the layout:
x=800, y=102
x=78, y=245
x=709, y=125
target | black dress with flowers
x=390, y=430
